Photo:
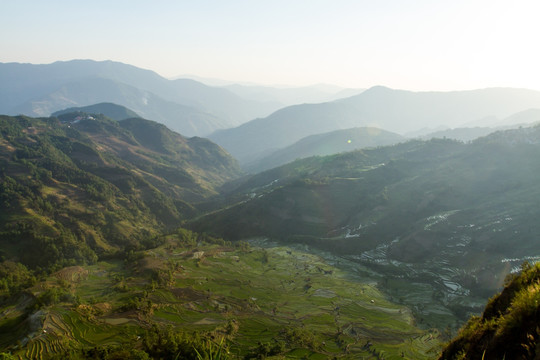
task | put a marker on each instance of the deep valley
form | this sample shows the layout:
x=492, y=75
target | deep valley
x=121, y=238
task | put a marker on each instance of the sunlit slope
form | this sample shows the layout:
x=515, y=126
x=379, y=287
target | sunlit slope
x=69, y=190
x=508, y=327
x=422, y=203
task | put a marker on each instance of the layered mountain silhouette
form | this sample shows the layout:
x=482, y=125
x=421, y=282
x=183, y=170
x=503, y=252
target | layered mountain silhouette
x=292, y=95
x=392, y=110
x=187, y=106
x=437, y=224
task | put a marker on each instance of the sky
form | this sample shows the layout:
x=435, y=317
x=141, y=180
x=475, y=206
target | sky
x=415, y=45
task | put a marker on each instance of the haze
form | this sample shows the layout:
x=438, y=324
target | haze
x=414, y=45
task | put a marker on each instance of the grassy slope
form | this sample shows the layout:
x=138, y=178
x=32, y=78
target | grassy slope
x=508, y=327
x=252, y=296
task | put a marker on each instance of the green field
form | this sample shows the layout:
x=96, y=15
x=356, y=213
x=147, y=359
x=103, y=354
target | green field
x=254, y=299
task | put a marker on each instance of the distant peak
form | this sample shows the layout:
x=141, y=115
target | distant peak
x=379, y=88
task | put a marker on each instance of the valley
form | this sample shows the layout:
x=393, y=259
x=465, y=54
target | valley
x=120, y=238
x=441, y=243
x=279, y=180
x=271, y=301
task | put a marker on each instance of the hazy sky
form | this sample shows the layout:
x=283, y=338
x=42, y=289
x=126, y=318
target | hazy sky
x=416, y=45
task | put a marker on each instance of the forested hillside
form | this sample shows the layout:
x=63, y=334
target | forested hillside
x=72, y=191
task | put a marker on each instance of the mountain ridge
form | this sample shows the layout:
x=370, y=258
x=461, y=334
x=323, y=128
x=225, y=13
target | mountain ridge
x=110, y=110
x=326, y=144
x=399, y=111
x=24, y=85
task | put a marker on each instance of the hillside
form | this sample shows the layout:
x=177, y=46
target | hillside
x=529, y=116
x=455, y=217
x=508, y=327
x=260, y=137
x=524, y=118
x=326, y=144
x=71, y=191
x=461, y=134
x=392, y=110
x=110, y=110
x=39, y=90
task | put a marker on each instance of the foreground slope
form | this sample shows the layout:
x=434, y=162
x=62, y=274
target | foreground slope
x=457, y=217
x=71, y=190
x=508, y=327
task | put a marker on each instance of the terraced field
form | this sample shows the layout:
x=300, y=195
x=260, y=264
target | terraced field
x=275, y=295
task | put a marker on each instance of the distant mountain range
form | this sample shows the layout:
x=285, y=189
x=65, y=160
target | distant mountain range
x=292, y=95
x=181, y=118
x=281, y=95
x=392, y=110
x=186, y=106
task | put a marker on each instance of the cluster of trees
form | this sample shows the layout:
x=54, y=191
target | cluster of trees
x=14, y=277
